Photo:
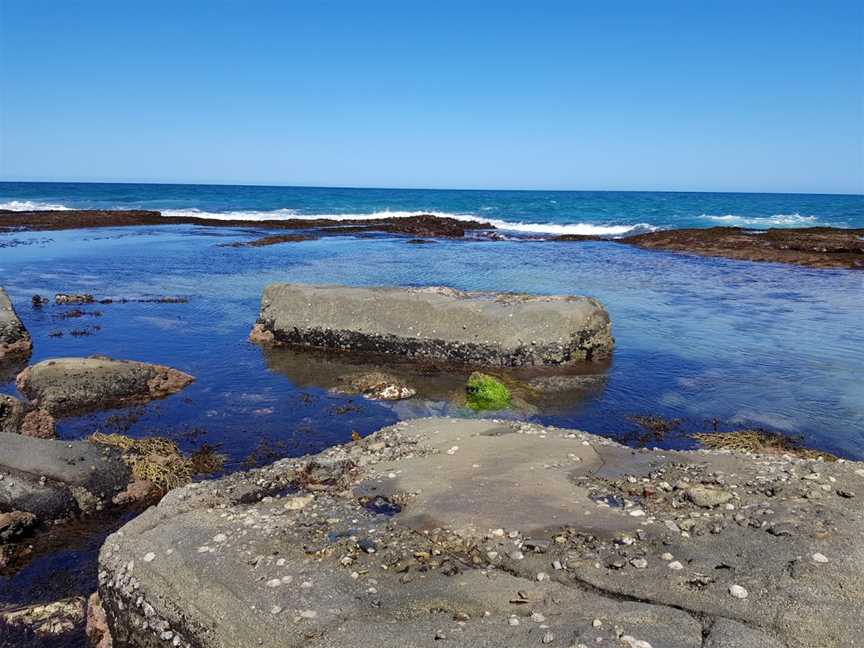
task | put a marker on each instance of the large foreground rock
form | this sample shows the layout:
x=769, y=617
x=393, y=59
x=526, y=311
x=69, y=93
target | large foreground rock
x=441, y=532
x=66, y=386
x=14, y=338
x=57, y=479
x=491, y=329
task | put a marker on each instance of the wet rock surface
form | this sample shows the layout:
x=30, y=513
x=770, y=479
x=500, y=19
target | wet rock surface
x=47, y=621
x=12, y=413
x=818, y=247
x=374, y=385
x=14, y=339
x=490, y=533
x=484, y=329
x=67, y=386
x=57, y=479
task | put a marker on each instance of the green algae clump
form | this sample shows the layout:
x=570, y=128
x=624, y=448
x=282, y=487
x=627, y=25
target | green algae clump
x=487, y=393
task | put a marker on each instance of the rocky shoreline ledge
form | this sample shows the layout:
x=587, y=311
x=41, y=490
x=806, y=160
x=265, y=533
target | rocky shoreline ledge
x=816, y=247
x=439, y=532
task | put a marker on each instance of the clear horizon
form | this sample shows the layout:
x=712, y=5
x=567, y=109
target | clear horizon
x=670, y=98
x=383, y=188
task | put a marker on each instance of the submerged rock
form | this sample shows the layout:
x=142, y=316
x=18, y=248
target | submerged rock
x=14, y=524
x=14, y=339
x=374, y=385
x=483, y=329
x=491, y=533
x=64, y=298
x=275, y=239
x=67, y=386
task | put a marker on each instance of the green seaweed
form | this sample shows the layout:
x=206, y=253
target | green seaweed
x=487, y=393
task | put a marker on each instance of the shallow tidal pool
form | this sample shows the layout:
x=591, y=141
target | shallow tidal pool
x=712, y=342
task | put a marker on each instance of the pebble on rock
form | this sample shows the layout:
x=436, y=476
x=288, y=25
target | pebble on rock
x=738, y=592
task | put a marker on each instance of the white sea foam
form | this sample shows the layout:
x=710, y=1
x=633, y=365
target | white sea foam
x=529, y=228
x=584, y=229
x=275, y=214
x=777, y=220
x=30, y=205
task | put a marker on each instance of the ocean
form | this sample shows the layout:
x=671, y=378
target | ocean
x=611, y=213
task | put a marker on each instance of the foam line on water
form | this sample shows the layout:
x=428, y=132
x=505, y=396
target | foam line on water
x=584, y=229
x=777, y=220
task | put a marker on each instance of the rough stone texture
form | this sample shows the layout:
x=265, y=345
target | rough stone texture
x=492, y=533
x=731, y=634
x=14, y=338
x=49, y=620
x=97, y=625
x=12, y=412
x=38, y=423
x=485, y=329
x=55, y=479
x=67, y=386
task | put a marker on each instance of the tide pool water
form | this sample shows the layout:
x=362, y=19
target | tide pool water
x=610, y=213
x=708, y=341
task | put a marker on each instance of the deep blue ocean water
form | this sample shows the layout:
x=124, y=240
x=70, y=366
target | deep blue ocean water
x=541, y=212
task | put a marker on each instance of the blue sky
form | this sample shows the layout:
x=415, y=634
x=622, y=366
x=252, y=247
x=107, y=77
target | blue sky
x=750, y=96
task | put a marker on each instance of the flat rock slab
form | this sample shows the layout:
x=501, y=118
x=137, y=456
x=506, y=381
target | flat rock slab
x=491, y=533
x=14, y=339
x=484, y=329
x=52, y=478
x=68, y=386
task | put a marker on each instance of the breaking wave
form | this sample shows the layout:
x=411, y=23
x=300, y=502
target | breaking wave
x=528, y=228
x=553, y=229
x=777, y=220
x=31, y=205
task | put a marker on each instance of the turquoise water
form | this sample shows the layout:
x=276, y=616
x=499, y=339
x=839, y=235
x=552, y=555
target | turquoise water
x=699, y=339
x=525, y=212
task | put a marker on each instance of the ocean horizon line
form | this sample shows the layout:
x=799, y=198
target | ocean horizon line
x=349, y=187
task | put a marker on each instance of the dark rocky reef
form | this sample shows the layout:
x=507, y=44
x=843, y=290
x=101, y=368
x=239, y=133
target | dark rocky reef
x=275, y=239
x=816, y=247
x=422, y=225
